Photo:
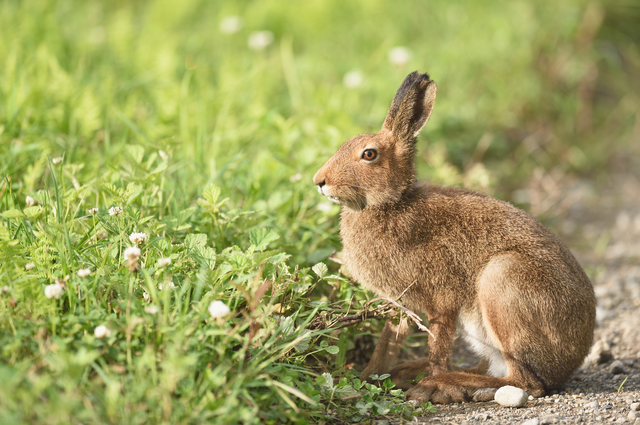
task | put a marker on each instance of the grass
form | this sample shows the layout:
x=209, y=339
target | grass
x=209, y=148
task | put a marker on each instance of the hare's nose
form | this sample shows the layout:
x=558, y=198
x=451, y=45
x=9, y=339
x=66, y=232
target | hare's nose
x=319, y=179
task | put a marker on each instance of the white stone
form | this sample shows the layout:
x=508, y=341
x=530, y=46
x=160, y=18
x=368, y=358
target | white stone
x=509, y=396
x=534, y=421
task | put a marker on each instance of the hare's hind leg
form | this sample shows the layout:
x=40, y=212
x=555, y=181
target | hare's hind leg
x=501, y=329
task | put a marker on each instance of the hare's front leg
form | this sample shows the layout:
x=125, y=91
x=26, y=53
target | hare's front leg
x=442, y=331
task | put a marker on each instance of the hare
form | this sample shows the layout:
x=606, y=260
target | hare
x=469, y=261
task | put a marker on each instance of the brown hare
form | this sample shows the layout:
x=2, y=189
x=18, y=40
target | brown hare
x=470, y=262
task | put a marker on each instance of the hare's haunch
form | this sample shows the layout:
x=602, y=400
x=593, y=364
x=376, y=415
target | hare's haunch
x=510, y=286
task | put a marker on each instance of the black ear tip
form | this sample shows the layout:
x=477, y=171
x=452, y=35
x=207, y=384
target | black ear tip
x=416, y=77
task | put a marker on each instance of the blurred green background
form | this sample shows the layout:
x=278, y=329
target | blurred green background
x=147, y=102
x=522, y=85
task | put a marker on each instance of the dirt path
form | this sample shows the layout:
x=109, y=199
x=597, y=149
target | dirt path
x=603, y=230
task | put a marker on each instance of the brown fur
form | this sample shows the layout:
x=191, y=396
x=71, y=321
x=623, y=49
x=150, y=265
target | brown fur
x=481, y=265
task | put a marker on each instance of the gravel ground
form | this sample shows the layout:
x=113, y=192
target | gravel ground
x=603, y=229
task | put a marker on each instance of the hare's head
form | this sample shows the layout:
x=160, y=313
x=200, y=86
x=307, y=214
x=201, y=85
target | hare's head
x=374, y=169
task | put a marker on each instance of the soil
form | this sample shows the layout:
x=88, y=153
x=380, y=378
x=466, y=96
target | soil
x=601, y=225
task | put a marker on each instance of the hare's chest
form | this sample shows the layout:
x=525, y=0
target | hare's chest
x=380, y=265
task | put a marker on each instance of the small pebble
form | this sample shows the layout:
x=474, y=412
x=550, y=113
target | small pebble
x=550, y=419
x=509, y=396
x=635, y=406
x=534, y=421
x=616, y=367
x=632, y=415
x=591, y=405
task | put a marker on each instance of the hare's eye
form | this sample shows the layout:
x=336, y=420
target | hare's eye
x=369, y=154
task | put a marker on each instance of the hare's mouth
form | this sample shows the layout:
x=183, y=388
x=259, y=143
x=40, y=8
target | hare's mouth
x=333, y=199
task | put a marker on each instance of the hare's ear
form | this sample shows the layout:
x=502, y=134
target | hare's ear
x=411, y=107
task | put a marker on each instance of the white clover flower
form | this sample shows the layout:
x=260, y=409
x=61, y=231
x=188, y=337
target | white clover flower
x=259, y=40
x=53, y=291
x=29, y=266
x=102, y=234
x=167, y=285
x=295, y=178
x=56, y=160
x=399, y=56
x=218, y=309
x=146, y=296
x=84, y=272
x=152, y=309
x=102, y=331
x=5, y=289
x=164, y=262
x=353, y=79
x=138, y=238
x=114, y=211
x=132, y=253
x=29, y=201
x=231, y=24
x=93, y=211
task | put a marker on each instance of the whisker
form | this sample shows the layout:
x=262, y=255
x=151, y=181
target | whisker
x=355, y=185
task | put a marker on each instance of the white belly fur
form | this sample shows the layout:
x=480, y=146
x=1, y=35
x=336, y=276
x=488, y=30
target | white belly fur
x=473, y=329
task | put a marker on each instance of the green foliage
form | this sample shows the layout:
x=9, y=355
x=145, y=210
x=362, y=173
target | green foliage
x=209, y=147
x=356, y=400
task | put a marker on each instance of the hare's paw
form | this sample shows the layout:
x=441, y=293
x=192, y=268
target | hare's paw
x=456, y=387
x=436, y=391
